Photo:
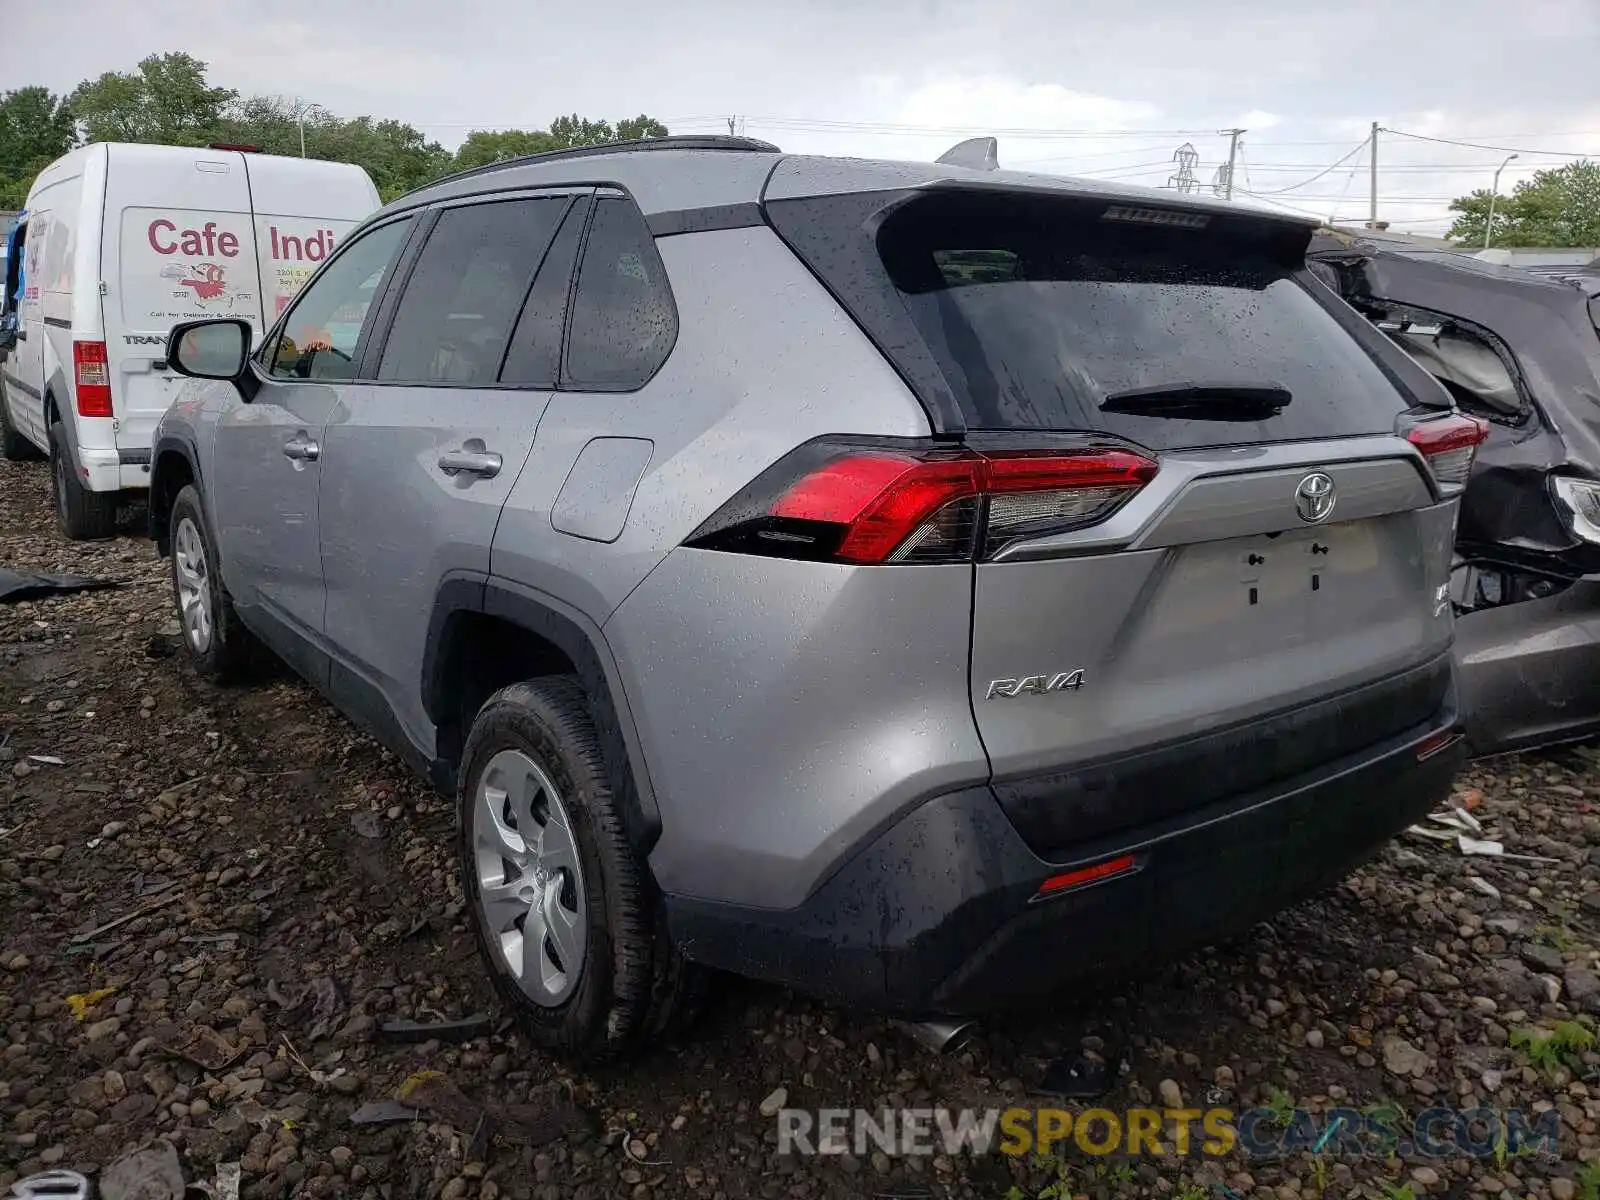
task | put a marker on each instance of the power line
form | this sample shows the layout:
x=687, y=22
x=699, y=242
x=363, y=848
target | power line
x=1482, y=146
x=1325, y=171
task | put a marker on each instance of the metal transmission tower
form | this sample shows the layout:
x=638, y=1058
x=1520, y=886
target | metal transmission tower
x=1186, y=156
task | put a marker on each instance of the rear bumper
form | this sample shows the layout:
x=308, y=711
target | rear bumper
x=936, y=916
x=114, y=470
x=1530, y=672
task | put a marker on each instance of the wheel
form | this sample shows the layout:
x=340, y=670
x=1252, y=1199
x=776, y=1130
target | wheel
x=82, y=515
x=566, y=916
x=13, y=446
x=219, y=645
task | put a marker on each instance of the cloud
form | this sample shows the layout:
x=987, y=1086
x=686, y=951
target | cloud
x=837, y=76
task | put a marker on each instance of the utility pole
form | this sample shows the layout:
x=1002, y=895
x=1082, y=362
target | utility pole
x=1233, y=158
x=1372, y=210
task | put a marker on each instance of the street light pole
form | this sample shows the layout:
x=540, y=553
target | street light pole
x=300, y=120
x=1494, y=192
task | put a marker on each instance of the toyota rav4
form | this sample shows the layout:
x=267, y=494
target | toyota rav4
x=923, y=585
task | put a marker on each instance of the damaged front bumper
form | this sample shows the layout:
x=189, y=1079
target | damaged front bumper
x=1529, y=668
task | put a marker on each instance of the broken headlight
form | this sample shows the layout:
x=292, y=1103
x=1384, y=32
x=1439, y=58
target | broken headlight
x=1578, y=502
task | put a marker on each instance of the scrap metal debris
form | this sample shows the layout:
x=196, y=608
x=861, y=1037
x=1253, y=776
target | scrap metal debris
x=443, y=1031
x=52, y=1185
x=142, y=911
x=153, y=1174
x=17, y=586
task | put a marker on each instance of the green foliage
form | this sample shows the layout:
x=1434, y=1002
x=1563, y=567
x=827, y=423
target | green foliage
x=1397, y=1191
x=1561, y=1046
x=1557, y=207
x=166, y=100
x=169, y=100
x=1589, y=1181
x=36, y=127
x=1280, y=1106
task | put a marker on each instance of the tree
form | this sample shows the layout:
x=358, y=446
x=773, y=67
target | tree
x=483, y=146
x=36, y=127
x=166, y=100
x=637, y=128
x=1557, y=207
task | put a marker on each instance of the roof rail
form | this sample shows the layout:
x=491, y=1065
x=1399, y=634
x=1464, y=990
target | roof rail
x=691, y=141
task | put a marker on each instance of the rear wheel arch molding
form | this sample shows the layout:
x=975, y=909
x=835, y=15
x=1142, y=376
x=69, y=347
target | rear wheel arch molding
x=167, y=479
x=577, y=640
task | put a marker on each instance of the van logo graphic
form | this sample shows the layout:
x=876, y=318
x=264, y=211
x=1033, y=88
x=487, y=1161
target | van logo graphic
x=1314, y=498
x=207, y=281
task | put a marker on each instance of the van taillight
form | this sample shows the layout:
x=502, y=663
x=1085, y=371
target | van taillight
x=865, y=503
x=1449, y=444
x=94, y=379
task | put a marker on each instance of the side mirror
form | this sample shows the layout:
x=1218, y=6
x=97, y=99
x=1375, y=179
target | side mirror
x=215, y=349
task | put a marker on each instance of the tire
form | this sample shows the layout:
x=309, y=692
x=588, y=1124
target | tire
x=218, y=645
x=533, y=748
x=82, y=515
x=14, y=447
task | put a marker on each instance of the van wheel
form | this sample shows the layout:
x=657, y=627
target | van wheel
x=13, y=446
x=565, y=913
x=82, y=515
x=219, y=645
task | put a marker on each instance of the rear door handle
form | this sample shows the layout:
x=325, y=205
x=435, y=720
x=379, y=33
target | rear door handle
x=300, y=448
x=463, y=461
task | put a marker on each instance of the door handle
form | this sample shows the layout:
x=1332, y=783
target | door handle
x=300, y=448
x=463, y=461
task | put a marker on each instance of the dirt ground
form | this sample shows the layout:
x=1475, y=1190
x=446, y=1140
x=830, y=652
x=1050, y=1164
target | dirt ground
x=292, y=891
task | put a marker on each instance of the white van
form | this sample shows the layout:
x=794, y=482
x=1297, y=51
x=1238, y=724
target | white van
x=121, y=243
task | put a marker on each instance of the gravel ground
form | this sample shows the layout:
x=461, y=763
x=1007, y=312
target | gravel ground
x=298, y=893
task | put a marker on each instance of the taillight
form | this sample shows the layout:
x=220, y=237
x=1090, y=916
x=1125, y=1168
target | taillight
x=94, y=379
x=878, y=504
x=1449, y=443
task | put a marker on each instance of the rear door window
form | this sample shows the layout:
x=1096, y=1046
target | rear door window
x=1035, y=309
x=624, y=321
x=462, y=299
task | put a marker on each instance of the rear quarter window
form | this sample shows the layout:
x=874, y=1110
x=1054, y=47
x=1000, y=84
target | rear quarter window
x=624, y=321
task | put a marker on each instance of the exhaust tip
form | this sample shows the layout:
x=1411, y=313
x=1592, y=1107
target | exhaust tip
x=941, y=1037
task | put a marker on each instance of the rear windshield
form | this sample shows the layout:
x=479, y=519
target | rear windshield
x=1033, y=310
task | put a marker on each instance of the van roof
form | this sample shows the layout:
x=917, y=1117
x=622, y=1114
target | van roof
x=275, y=179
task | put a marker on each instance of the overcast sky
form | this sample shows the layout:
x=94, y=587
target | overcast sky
x=906, y=78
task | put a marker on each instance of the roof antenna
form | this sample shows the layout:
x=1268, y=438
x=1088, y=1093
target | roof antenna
x=979, y=153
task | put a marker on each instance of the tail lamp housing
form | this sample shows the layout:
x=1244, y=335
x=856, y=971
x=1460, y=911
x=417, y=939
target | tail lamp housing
x=1449, y=444
x=92, y=373
x=869, y=503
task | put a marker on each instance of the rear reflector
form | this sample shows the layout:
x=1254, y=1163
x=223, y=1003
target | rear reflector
x=1441, y=741
x=93, y=374
x=1449, y=444
x=1084, y=875
x=858, y=504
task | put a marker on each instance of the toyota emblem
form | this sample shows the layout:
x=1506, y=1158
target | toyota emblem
x=1314, y=498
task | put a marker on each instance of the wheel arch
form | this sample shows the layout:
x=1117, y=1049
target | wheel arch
x=173, y=465
x=486, y=633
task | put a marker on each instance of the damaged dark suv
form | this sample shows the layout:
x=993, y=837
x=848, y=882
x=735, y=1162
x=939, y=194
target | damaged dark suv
x=1523, y=352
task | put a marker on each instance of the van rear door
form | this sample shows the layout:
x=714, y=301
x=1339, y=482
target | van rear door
x=178, y=246
x=303, y=209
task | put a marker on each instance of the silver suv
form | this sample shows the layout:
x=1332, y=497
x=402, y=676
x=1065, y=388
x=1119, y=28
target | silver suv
x=917, y=584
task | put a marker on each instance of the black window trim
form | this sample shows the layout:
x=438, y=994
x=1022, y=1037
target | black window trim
x=429, y=217
x=564, y=382
x=264, y=374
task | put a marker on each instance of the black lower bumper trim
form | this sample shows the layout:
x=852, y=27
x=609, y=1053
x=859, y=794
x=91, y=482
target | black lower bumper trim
x=933, y=917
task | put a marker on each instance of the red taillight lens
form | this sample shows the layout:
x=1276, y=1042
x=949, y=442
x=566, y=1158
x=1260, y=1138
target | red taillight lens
x=94, y=379
x=1449, y=444
x=861, y=505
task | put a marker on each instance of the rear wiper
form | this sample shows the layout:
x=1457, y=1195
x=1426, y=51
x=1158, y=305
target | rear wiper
x=1201, y=401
